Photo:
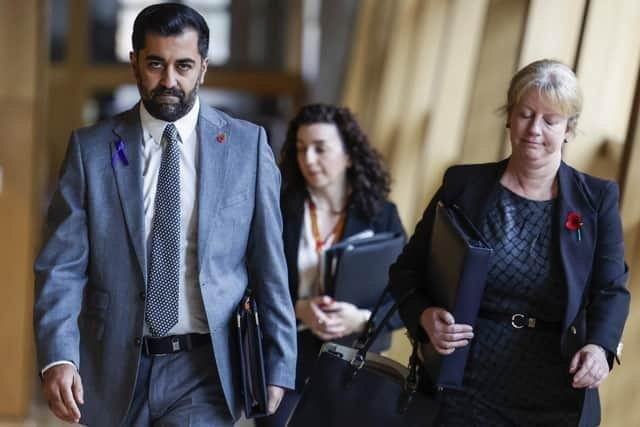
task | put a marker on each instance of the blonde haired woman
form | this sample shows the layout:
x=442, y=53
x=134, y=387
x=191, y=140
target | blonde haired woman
x=555, y=301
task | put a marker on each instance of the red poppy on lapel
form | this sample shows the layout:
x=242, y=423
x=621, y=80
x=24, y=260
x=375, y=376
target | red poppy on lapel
x=574, y=223
x=221, y=138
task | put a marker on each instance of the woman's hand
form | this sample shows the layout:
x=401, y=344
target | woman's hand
x=443, y=332
x=353, y=318
x=323, y=325
x=589, y=366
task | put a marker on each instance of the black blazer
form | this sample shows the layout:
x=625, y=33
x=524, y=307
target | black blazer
x=595, y=273
x=292, y=206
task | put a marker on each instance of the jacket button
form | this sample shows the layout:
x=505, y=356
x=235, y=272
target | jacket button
x=573, y=330
x=141, y=294
x=138, y=341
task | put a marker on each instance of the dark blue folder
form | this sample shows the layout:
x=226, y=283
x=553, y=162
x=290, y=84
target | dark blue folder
x=457, y=268
x=357, y=271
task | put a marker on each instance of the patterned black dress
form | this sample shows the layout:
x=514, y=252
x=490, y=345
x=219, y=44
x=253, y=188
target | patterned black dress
x=517, y=377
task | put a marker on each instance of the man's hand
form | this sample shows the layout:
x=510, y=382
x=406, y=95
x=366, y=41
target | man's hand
x=443, y=332
x=589, y=366
x=274, y=394
x=62, y=388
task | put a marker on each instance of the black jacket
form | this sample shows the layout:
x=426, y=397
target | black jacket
x=595, y=273
x=292, y=206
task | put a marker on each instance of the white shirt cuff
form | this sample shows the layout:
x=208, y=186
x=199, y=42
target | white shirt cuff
x=56, y=363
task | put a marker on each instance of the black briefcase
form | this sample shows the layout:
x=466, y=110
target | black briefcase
x=457, y=267
x=254, y=388
x=350, y=386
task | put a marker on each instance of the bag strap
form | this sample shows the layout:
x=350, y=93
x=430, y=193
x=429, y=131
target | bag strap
x=366, y=339
x=371, y=332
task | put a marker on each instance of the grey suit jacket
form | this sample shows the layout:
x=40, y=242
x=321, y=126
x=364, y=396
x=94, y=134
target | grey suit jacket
x=92, y=271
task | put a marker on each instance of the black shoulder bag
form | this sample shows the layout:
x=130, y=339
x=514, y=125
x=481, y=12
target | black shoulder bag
x=352, y=387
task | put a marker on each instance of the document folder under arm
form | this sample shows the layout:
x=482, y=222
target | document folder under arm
x=357, y=271
x=254, y=389
x=457, y=267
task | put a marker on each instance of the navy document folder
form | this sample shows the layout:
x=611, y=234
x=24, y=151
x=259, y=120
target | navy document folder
x=457, y=267
x=357, y=270
x=254, y=389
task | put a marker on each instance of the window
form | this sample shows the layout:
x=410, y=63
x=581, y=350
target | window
x=111, y=28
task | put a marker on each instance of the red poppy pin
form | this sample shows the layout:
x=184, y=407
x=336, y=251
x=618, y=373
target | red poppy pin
x=574, y=223
x=221, y=138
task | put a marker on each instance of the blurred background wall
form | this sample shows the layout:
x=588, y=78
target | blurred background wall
x=425, y=78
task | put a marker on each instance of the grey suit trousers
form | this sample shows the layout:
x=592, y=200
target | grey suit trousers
x=181, y=389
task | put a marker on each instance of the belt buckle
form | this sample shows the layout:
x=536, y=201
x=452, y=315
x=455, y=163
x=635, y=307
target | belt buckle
x=517, y=321
x=175, y=344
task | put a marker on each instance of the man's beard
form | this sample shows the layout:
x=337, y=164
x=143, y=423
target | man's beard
x=169, y=112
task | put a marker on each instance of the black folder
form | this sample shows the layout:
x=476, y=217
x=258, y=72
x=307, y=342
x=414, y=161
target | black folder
x=457, y=268
x=357, y=270
x=254, y=388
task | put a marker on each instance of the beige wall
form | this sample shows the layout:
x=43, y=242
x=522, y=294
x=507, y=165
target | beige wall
x=20, y=112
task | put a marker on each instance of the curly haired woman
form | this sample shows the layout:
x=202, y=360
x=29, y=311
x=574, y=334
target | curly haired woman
x=334, y=188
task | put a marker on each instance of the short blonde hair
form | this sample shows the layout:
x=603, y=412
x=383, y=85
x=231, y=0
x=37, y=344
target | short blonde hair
x=555, y=82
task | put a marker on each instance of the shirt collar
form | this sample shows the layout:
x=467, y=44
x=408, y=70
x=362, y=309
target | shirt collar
x=154, y=127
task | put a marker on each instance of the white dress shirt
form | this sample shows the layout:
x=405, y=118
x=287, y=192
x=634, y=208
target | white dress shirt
x=191, y=315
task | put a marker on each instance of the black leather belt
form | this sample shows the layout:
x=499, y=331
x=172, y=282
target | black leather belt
x=519, y=321
x=160, y=346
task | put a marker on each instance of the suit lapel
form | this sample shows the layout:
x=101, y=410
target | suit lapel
x=354, y=225
x=128, y=139
x=214, y=139
x=576, y=254
x=479, y=195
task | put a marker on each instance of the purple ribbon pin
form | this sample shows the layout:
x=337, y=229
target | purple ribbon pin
x=119, y=154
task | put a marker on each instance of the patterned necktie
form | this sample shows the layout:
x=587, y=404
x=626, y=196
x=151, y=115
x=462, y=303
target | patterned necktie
x=164, y=261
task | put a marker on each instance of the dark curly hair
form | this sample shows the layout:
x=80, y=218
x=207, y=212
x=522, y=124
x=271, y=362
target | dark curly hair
x=369, y=180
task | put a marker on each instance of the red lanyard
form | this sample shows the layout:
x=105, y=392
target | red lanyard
x=337, y=230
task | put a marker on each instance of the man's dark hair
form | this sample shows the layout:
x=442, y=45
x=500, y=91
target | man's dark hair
x=169, y=19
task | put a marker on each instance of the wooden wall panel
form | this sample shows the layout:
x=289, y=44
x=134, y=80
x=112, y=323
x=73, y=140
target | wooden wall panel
x=607, y=69
x=20, y=90
x=552, y=31
x=426, y=49
x=368, y=59
x=442, y=144
x=630, y=177
x=389, y=108
x=485, y=136
x=619, y=392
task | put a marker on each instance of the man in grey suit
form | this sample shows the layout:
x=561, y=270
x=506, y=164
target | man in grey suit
x=163, y=216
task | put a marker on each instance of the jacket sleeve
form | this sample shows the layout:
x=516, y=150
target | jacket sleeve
x=608, y=300
x=61, y=267
x=408, y=273
x=267, y=270
x=392, y=224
